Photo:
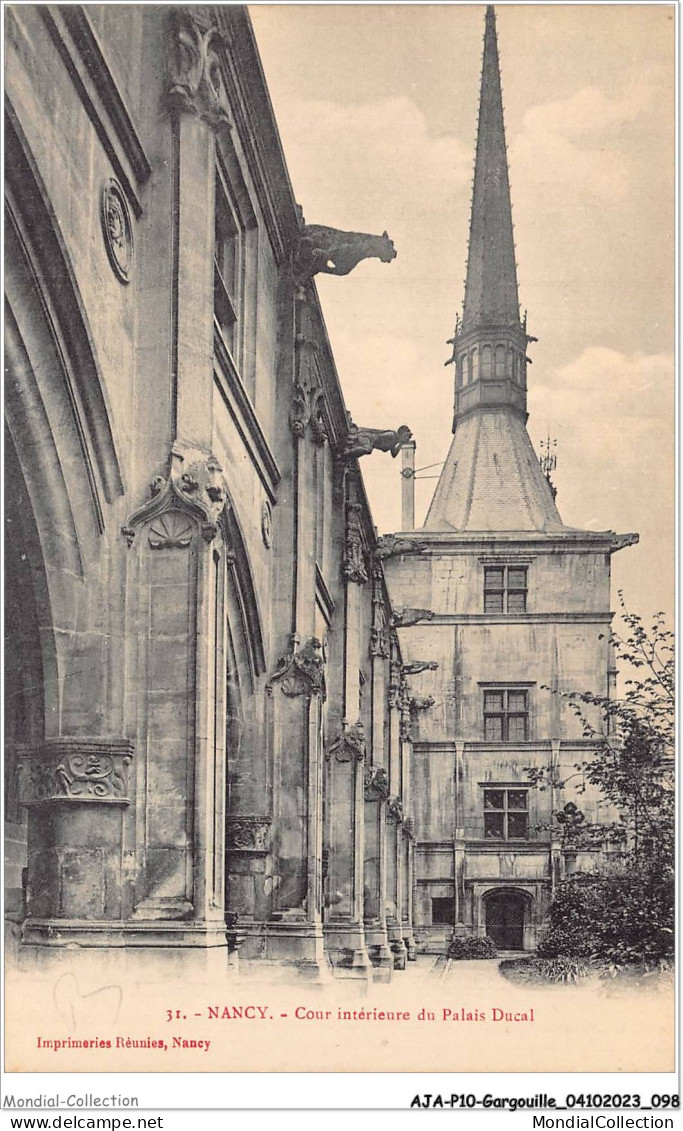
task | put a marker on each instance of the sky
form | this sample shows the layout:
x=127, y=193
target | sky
x=377, y=110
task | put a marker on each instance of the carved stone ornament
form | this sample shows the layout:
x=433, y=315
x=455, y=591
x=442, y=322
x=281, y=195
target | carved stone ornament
x=389, y=545
x=192, y=495
x=417, y=666
x=379, y=643
x=363, y=441
x=267, y=524
x=376, y=784
x=404, y=618
x=334, y=252
x=75, y=769
x=195, y=72
x=409, y=828
x=396, y=684
x=406, y=715
x=620, y=541
x=395, y=810
x=421, y=703
x=301, y=671
x=117, y=229
x=308, y=398
x=248, y=833
x=354, y=568
x=349, y=746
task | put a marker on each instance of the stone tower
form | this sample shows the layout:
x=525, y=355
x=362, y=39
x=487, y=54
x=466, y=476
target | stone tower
x=515, y=610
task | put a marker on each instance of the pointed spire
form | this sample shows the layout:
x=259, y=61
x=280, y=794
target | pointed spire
x=491, y=297
x=491, y=480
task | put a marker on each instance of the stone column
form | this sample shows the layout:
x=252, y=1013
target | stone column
x=377, y=790
x=376, y=794
x=345, y=799
x=395, y=818
x=460, y=926
x=295, y=694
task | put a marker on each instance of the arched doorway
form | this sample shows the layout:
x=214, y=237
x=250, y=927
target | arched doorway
x=505, y=919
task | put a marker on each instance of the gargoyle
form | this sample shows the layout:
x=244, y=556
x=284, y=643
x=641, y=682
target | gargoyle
x=419, y=666
x=334, y=252
x=362, y=441
x=620, y=541
x=404, y=618
x=389, y=544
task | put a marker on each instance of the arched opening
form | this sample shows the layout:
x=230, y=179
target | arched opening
x=500, y=361
x=505, y=919
x=486, y=361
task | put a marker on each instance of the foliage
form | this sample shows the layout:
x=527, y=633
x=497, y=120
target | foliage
x=632, y=764
x=624, y=915
x=472, y=947
x=616, y=920
x=563, y=970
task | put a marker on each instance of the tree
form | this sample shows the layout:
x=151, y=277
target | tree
x=624, y=913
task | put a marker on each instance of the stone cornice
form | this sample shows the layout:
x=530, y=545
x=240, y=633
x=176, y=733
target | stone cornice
x=499, y=543
x=598, y=618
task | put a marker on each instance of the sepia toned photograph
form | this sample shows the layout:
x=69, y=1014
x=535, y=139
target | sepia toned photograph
x=339, y=537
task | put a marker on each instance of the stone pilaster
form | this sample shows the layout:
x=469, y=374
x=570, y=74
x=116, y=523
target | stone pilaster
x=177, y=570
x=346, y=753
x=295, y=694
x=375, y=886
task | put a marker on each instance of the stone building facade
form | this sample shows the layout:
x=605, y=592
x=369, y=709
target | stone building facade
x=516, y=611
x=242, y=731
x=208, y=724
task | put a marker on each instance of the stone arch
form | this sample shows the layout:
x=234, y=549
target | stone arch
x=49, y=317
x=507, y=916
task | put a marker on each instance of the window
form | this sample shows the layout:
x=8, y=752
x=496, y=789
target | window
x=443, y=912
x=505, y=589
x=226, y=267
x=465, y=368
x=506, y=814
x=500, y=361
x=506, y=715
x=486, y=361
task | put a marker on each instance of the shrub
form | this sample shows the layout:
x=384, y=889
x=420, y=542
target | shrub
x=616, y=920
x=559, y=970
x=472, y=947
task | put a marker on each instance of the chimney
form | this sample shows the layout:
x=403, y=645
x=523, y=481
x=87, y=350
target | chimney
x=408, y=486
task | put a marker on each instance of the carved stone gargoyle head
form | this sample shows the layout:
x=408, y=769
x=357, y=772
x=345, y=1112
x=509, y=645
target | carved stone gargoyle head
x=333, y=252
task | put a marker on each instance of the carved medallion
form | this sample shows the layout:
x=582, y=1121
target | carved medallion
x=117, y=230
x=267, y=524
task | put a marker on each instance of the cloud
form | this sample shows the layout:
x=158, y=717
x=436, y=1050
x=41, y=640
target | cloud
x=575, y=141
x=380, y=153
x=613, y=415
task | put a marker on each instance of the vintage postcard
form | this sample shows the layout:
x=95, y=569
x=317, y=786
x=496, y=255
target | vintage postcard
x=339, y=541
